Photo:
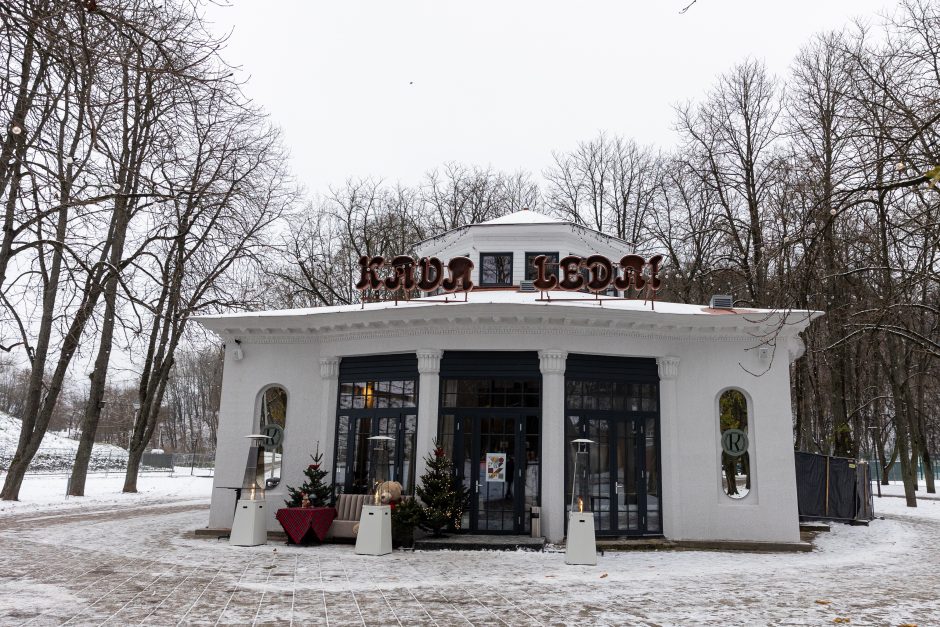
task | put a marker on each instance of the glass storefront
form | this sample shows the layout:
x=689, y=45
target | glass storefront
x=490, y=427
x=622, y=419
x=384, y=403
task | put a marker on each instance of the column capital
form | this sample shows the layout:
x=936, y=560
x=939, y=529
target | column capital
x=668, y=367
x=552, y=361
x=329, y=367
x=429, y=360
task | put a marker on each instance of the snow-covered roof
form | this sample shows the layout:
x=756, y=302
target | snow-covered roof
x=524, y=217
x=521, y=219
x=528, y=304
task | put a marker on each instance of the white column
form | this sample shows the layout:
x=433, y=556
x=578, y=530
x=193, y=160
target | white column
x=329, y=374
x=552, y=366
x=669, y=445
x=429, y=394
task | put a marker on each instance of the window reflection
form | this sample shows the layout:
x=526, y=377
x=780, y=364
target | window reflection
x=369, y=408
x=495, y=269
x=273, y=411
x=735, y=454
x=491, y=393
x=551, y=266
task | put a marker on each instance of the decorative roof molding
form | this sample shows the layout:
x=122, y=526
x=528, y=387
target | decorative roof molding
x=369, y=334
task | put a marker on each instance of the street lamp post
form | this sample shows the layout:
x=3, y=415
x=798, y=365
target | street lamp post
x=875, y=455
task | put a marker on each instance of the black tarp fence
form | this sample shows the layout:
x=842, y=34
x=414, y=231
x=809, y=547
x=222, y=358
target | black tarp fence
x=833, y=488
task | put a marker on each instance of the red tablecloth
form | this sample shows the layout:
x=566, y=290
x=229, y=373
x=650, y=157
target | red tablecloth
x=298, y=521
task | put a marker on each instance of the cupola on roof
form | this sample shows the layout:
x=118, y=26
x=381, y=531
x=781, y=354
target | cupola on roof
x=524, y=217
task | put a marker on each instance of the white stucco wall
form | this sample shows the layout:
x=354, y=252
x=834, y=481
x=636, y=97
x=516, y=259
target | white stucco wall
x=295, y=367
x=706, y=354
x=560, y=237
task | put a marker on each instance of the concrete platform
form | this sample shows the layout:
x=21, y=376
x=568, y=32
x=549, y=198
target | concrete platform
x=662, y=544
x=469, y=542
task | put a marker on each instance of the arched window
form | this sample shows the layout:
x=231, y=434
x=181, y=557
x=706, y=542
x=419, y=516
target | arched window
x=273, y=410
x=735, y=444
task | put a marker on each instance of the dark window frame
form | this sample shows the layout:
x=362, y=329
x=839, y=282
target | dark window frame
x=623, y=417
x=530, y=274
x=496, y=254
x=375, y=414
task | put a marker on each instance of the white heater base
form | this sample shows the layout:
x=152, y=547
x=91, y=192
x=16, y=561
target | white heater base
x=249, y=527
x=375, y=530
x=581, y=547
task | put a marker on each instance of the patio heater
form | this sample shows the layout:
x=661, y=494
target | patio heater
x=580, y=547
x=375, y=522
x=250, y=527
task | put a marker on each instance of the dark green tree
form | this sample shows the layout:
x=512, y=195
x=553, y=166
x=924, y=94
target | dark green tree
x=443, y=495
x=319, y=492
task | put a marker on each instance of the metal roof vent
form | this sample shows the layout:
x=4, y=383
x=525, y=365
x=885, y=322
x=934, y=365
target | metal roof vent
x=526, y=286
x=722, y=301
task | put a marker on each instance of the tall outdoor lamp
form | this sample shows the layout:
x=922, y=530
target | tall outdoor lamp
x=375, y=522
x=249, y=527
x=580, y=547
x=874, y=458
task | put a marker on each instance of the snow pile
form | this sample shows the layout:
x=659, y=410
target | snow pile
x=56, y=453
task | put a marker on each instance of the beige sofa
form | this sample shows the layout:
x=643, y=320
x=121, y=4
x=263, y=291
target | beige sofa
x=348, y=511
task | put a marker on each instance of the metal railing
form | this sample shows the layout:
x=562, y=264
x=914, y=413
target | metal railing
x=894, y=473
x=59, y=461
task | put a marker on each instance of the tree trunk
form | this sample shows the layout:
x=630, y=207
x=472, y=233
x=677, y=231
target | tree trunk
x=928, y=471
x=99, y=375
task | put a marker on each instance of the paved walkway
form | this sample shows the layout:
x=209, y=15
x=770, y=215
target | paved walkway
x=144, y=566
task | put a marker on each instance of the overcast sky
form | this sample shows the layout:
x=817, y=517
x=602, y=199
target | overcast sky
x=395, y=88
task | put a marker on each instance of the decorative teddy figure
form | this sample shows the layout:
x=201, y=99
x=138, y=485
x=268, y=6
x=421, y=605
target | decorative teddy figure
x=390, y=493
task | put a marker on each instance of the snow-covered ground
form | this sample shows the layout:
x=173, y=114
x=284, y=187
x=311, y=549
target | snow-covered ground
x=42, y=492
x=134, y=559
x=56, y=452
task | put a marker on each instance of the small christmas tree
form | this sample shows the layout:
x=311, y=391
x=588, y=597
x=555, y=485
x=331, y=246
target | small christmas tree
x=315, y=488
x=444, y=497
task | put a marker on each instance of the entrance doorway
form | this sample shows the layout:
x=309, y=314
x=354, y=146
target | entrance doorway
x=490, y=424
x=614, y=402
x=496, y=458
x=624, y=471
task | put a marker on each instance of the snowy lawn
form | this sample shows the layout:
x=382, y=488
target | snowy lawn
x=137, y=561
x=56, y=452
x=42, y=492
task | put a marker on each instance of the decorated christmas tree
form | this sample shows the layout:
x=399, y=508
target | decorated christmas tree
x=444, y=497
x=316, y=490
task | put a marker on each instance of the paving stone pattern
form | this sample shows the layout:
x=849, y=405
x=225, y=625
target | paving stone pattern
x=144, y=566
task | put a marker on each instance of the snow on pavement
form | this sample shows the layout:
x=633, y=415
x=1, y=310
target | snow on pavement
x=138, y=562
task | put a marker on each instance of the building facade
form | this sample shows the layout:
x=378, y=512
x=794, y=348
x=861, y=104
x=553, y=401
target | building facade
x=688, y=406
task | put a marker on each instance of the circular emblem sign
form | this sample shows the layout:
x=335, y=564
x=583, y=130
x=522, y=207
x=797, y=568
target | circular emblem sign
x=275, y=433
x=734, y=442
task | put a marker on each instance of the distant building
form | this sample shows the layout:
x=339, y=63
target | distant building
x=689, y=443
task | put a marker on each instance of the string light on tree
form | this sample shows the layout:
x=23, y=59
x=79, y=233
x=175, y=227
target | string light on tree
x=444, y=497
x=315, y=490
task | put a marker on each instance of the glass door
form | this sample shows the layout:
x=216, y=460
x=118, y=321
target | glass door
x=496, y=456
x=624, y=471
x=354, y=449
